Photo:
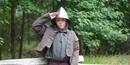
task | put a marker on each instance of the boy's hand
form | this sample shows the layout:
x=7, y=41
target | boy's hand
x=53, y=14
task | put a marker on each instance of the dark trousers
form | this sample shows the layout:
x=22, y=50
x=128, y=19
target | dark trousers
x=55, y=62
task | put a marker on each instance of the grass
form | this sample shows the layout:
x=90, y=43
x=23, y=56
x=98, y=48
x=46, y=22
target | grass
x=112, y=59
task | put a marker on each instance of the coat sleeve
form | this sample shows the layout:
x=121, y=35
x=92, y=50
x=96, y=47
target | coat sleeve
x=39, y=24
x=75, y=55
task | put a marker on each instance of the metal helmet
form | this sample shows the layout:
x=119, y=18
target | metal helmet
x=62, y=13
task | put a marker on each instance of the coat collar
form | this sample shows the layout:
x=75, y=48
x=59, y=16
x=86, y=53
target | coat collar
x=58, y=30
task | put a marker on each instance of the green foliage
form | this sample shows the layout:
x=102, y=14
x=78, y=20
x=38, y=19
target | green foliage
x=98, y=23
x=4, y=9
x=28, y=6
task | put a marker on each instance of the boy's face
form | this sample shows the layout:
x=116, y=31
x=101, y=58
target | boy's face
x=61, y=23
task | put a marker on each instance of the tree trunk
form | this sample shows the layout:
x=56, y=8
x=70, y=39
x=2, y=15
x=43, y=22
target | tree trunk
x=22, y=36
x=63, y=2
x=28, y=28
x=12, y=34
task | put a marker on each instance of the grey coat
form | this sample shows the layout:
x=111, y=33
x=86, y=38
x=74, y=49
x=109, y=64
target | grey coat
x=48, y=34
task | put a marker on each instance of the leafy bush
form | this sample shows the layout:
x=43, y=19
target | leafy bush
x=100, y=23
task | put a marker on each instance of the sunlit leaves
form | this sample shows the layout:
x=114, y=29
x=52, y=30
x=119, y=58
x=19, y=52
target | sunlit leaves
x=1, y=41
